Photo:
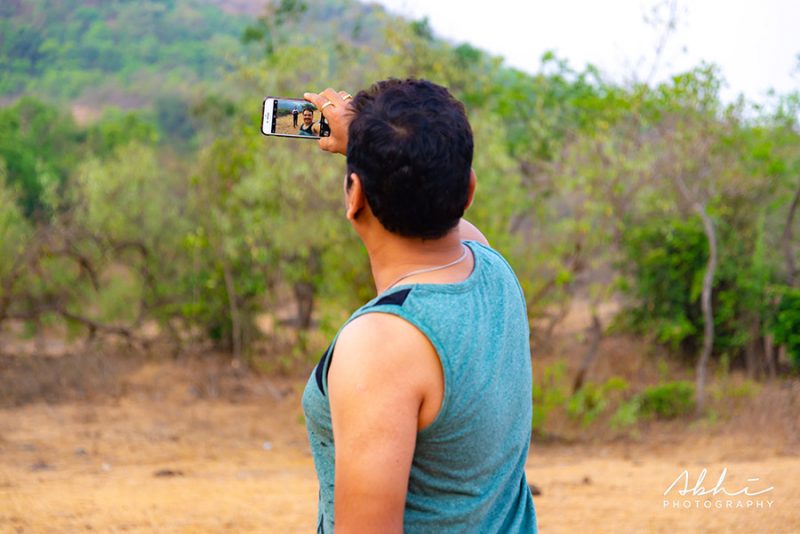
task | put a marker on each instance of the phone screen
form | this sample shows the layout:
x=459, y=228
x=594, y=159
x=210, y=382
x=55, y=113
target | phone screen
x=293, y=117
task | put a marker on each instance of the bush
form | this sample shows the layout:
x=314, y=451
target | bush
x=548, y=393
x=667, y=401
x=627, y=414
x=734, y=393
x=665, y=260
x=786, y=324
x=666, y=263
x=664, y=401
x=593, y=399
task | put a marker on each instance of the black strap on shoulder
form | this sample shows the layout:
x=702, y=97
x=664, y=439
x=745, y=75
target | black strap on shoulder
x=397, y=298
x=321, y=369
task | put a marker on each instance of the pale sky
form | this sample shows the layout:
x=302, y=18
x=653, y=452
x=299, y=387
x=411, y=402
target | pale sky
x=755, y=43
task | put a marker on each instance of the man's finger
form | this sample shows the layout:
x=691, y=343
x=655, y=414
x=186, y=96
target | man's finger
x=334, y=97
x=324, y=143
x=314, y=98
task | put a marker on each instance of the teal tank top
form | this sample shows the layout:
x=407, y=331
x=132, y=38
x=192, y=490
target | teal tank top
x=468, y=470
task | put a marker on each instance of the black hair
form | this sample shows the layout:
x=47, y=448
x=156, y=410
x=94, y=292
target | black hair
x=411, y=145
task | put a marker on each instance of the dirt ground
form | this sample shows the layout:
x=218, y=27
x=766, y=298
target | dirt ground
x=182, y=447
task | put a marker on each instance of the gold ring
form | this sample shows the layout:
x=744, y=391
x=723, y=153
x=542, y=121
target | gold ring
x=325, y=105
x=346, y=96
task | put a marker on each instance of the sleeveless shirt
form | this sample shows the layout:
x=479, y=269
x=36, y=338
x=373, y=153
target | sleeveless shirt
x=468, y=469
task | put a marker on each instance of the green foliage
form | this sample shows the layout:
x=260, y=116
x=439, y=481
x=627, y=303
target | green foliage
x=14, y=229
x=40, y=146
x=175, y=119
x=126, y=201
x=666, y=260
x=627, y=414
x=786, y=323
x=64, y=49
x=549, y=393
x=667, y=400
x=735, y=392
x=268, y=29
x=117, y=128
x=593, y=399
x=422, y=29
x=178, y=205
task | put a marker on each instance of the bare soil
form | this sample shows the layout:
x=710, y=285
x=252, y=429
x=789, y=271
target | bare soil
x=193, y=446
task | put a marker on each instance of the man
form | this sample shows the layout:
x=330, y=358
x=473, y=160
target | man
x=419, y=413
x=309, y=127
x=295, y=113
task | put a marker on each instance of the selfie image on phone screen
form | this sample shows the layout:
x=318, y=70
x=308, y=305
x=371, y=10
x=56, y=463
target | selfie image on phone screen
x=290, y=117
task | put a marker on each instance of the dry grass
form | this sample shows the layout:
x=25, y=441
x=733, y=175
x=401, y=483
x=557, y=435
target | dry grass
x=109, y=444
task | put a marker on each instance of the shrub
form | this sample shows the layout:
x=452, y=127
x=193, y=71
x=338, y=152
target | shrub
x=786, y=324
x=548, y=393
x=667, y=401
x=628, y=413
x=664, y=401
x=665, y=262
x=593, y=399
x=729, y=391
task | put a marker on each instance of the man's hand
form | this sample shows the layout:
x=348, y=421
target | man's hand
x=338, y=114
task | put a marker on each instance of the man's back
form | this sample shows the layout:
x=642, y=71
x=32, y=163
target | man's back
x=467, y=472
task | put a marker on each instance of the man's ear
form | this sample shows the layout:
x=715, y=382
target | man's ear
x=473, y=183
x=355, y=197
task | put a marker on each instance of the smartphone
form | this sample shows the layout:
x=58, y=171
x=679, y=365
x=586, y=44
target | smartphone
x=293, y=117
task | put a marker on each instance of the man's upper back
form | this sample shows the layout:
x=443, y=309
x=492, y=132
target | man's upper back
x=468, y=465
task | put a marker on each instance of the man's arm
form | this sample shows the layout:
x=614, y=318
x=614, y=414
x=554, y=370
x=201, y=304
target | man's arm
x=381, y=372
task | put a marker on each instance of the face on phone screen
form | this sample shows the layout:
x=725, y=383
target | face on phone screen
x=295, y=118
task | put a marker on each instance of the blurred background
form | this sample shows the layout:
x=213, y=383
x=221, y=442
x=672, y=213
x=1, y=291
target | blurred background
x=169, y=276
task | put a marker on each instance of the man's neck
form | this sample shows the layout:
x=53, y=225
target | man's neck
x=392, y=256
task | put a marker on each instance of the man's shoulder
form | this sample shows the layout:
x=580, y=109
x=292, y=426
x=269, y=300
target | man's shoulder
x=381, y=340
x=378, y=329
x=386, y=357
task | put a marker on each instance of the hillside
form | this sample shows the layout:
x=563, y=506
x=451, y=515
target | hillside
x=93, y=53
x=113, y=51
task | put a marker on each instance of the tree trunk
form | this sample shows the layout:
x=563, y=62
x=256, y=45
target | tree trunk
x=783, y=356
x=236, y=324
x=595, y=332
x=754, y=367
x=304, y=290
x=751, y=360
x=769, y=356
x=708, y=315
x=788, y=252
x=304, y=296
x=708, y=285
